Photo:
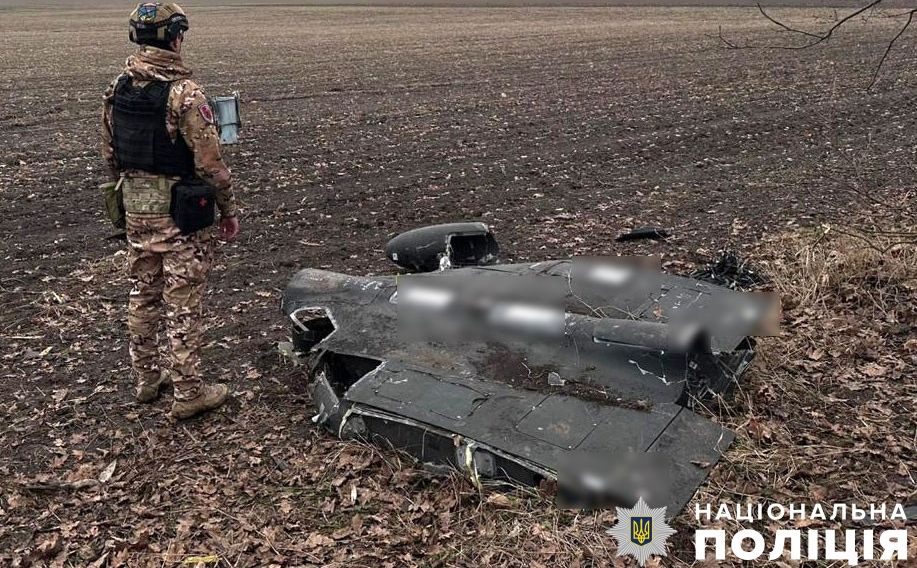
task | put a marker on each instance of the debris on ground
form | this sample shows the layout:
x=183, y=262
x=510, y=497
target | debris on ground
x=730, y=270
x=652, y=233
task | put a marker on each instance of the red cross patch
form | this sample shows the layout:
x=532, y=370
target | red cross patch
x=207, y=113
x=203, y=202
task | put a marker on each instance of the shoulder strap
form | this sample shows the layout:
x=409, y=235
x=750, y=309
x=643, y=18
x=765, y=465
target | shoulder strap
x=122, y=81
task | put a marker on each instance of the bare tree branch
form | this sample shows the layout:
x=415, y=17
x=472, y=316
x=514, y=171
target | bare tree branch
x=814, y=38
x=782, y=25
x=817, y=38
x=725, y=41
x=875, y=75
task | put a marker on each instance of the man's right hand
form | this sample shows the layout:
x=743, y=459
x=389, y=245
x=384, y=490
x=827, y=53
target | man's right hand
x=229, y=228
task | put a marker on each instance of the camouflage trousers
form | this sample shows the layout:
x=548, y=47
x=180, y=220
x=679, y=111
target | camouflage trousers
x=168, y=270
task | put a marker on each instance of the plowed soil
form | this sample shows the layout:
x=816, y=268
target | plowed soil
x=558, y=127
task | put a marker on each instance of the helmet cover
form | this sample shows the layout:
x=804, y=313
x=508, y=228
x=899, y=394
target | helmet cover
x=157, y=22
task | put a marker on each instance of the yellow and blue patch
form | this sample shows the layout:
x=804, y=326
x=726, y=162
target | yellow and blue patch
x=146, y=13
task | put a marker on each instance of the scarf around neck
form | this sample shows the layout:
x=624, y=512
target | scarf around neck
x=154, y=64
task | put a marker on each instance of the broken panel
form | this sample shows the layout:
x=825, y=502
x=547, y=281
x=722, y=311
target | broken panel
x=593, y=387
x=443, y=246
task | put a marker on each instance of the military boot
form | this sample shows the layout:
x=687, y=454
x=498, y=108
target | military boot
x=149, y=391
x=212, y=396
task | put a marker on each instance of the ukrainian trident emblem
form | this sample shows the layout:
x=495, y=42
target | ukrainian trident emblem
x=641, y=530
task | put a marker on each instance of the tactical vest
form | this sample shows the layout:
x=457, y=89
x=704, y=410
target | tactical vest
x=140, y=138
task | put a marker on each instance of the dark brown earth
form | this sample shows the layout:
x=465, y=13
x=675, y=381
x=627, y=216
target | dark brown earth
x=512, y=368
x=95, y=4
x=559, y=127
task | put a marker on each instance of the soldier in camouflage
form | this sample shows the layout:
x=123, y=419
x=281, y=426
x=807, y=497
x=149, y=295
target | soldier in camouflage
x=158, y=129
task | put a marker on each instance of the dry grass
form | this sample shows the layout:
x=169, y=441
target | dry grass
x=827, y=413
x=825, y=416
x=837, y=264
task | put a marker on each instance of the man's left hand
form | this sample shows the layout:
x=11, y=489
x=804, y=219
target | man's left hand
x=229, y=228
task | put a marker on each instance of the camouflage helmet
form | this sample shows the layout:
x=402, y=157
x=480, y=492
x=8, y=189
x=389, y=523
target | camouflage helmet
x=155, y=22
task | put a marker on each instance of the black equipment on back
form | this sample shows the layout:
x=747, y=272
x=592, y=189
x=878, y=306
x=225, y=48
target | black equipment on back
x=140, y=138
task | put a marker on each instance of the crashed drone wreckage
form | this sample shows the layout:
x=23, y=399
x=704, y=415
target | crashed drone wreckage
x=582, y=371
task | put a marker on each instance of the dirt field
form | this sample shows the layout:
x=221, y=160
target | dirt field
x=559, y=127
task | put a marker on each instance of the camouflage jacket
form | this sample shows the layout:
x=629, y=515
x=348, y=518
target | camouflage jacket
x=188, y=115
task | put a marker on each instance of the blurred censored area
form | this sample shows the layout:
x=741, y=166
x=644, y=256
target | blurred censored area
x=613, y=329
x=456, y=307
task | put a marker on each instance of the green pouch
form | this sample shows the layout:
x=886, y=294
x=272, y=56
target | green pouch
x=114, y=203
